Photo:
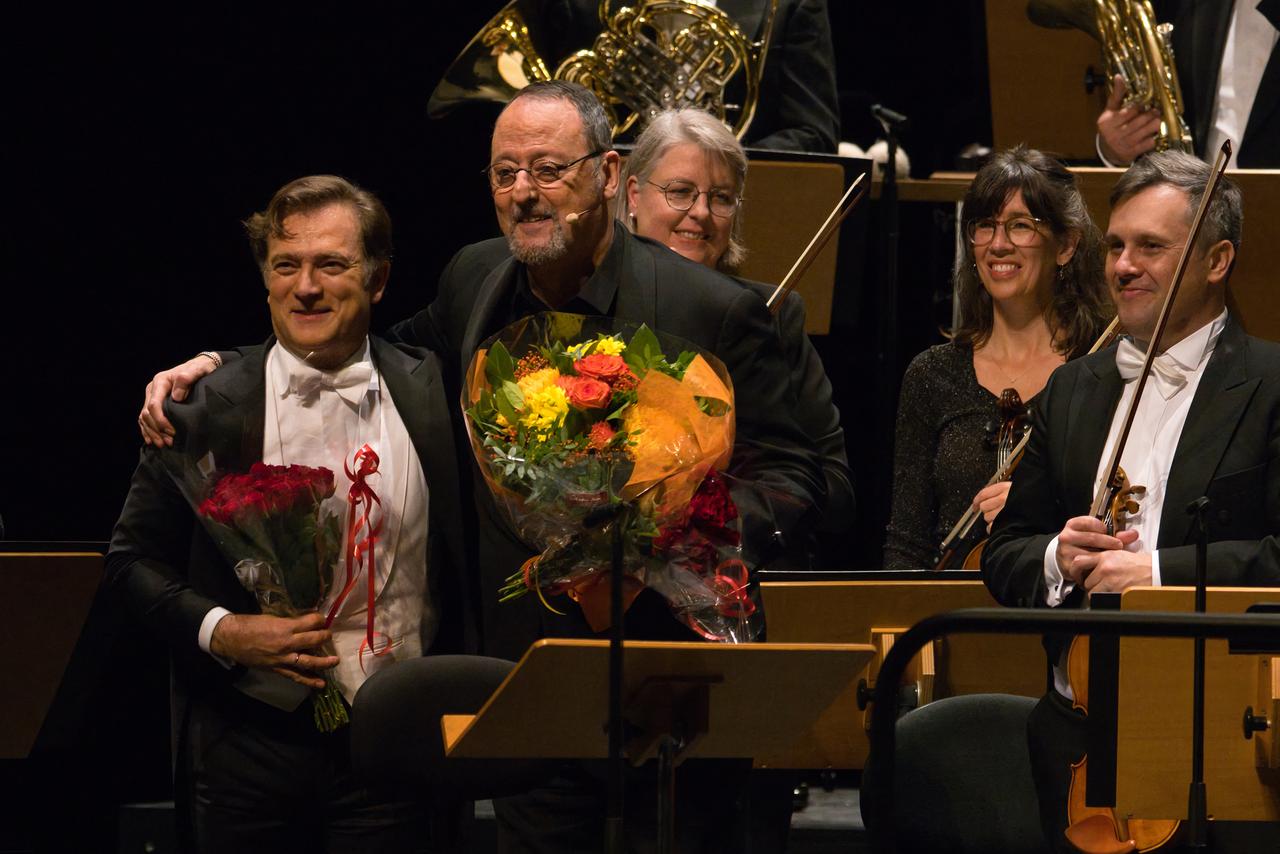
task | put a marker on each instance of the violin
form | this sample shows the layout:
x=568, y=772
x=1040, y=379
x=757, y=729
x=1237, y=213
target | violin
x=1099, y=830
x=1102, y=829
x=1012, y=436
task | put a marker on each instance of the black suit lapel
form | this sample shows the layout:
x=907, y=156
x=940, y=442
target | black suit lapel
x=1221, y=398
x=637, y=299
x=237, y=411
x=1205, y=26
x=1091, y=412
x=494, y=291
x=1264, y=103
x=417, y=389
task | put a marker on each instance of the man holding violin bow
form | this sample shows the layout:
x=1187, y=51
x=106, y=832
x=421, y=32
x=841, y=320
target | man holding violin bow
x=1207, y=424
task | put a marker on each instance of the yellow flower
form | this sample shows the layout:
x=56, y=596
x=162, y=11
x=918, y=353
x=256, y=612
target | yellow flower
x=531, y=384
x=609, y=345
x=544, y=410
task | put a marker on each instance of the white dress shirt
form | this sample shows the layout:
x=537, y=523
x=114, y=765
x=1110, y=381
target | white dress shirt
x=1250, y=40
x=321, y=418
x=1148, y=454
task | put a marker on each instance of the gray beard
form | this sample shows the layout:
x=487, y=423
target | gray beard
x=555, y=249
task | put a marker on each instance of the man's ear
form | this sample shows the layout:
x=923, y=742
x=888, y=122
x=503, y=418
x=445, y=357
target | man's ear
x=378, y=282
x=1221, y=256
x=611, y=164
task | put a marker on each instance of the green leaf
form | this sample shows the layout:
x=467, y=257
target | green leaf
x=509, y=400
x=643, y=352
x=711, y=405
x=498, y=367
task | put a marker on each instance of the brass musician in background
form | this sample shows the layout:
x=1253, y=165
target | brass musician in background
x=1185, y=74
x=767, y=67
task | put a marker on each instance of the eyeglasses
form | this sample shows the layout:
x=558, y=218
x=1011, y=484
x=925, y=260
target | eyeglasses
x=545, y=173
x=681, y=195
x=1021, y=230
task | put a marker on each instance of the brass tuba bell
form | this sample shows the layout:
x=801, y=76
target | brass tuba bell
x=1136, y=47
x=650, y=57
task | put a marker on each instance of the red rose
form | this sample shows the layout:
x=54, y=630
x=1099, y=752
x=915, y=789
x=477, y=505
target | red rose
x=599, y=366
x=712, y=506
x=584, y=393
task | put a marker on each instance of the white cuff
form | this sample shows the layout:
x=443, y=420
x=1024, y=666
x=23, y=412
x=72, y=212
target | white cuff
x=205, y=636
x=1155, y=569
x=1057, y=587
x=1097, y=146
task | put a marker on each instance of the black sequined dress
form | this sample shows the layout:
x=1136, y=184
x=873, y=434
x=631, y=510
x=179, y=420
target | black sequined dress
x=944, y=452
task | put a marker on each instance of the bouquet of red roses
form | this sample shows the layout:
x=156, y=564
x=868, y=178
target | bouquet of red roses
x=570, y=414
x=270, y=521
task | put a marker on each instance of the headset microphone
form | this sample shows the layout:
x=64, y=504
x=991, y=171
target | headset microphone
x=571, y=218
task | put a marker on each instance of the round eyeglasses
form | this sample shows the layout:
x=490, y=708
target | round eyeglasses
x=1020, y=230
x=545, y=173
x=682, y=195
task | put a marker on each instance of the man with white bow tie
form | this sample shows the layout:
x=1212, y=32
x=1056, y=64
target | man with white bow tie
x=254, y=770
x=1208, y=424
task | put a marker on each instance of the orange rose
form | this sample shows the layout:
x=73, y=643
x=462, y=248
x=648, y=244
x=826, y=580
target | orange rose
x=585, y=393
x=599, y=366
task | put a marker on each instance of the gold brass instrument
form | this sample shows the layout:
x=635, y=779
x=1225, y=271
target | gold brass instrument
x=1136, y=47
x=653, y=56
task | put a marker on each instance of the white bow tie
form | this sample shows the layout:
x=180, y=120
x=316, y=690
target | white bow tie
x=1169, y=376
x=350, y=382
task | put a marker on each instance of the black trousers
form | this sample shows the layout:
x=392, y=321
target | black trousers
x=261, y=780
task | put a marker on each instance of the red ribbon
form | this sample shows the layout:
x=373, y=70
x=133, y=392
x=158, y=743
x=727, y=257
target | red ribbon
x=360, y=500
x=730, y=583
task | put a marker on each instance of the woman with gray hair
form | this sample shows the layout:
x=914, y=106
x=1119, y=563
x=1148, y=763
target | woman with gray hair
x=683, y=187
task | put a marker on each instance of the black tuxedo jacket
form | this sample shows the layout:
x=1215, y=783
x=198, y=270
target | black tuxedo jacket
x=672, y=295
x=815, y=412
x=1229, y=450
x=1199, y=36
x=170, y=573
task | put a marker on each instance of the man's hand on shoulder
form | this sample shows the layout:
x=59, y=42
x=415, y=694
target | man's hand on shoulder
x=284, y=645
x=1082, y=543
x=175, y=382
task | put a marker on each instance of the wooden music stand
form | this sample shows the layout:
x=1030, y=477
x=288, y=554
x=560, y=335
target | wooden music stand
x=1153, y=729
x=875, y=612
x=46, y=600
x=727, y=700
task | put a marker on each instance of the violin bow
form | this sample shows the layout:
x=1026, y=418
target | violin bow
x=843, y=208
x=1104, y=487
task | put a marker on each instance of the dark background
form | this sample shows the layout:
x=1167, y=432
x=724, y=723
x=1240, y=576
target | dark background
x=137, y=140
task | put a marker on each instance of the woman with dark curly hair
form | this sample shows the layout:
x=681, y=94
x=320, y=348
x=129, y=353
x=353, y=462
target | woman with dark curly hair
x=1032, y=295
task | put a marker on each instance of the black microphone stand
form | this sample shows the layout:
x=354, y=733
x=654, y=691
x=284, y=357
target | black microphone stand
x=1197, y=809
x=612, y=515
x=893, y=123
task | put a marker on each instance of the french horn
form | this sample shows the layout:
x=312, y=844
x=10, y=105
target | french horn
x=1136, y=47
x=649, y=57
